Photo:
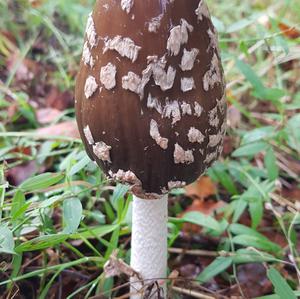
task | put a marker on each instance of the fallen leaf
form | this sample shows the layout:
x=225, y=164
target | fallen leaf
x=15, y=176
x=47, y=115
x=292, y=194
x=59, y=100
x=22, y=150
x=207, y=206
x=289, y=32
x=228, y=145
x=66, y=129
x=190, y=271
x=253, y=280
x=27, y=69
x=115, y=267
x=201, y=189
x=35, y=3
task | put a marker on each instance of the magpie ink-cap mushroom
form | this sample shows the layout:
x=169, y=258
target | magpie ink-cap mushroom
x=150, y=93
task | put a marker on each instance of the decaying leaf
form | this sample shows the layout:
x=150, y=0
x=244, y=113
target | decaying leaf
x=47, y=115
x=289, y=32
x=115, y=267
x=201, y=189
x=66, y=129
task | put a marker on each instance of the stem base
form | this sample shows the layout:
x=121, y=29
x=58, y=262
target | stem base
x=149, y=246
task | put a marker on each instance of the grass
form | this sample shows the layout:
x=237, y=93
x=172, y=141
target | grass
x=65, y=219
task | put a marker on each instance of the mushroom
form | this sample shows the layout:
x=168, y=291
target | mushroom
x=151, y=109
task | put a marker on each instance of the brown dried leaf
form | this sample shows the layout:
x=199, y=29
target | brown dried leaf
x=207, y=207
x=15, y=176
x=228, y=145
x=47, y=115
x=35, y=3
x=115, y=267
x=289, y=32
x=66, y=129
x=27, y=69
x=59, y=100
x=201, y=189
x=292, y=194
x=253, y=280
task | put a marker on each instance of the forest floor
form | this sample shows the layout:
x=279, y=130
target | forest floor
x=235, y=233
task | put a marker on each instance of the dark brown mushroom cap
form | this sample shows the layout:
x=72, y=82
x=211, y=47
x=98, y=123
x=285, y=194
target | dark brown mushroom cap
x=150, y=93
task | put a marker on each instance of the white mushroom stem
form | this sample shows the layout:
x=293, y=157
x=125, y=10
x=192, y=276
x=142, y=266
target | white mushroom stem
x=149, y=245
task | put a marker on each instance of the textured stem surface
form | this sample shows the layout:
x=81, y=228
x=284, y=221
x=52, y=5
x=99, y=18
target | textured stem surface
x=149, y=245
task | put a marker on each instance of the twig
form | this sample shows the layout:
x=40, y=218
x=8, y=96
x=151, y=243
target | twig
x=192, y=293
x=284, y=164
x=196, y=252
x=284, y=202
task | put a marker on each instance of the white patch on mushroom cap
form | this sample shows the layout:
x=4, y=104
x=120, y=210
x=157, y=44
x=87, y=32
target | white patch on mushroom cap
x=222, y=104
x=214, y=140
x=108, y=76
x=223, y=128
x=213, y=117
x=123, y=45
x=181, y=156
x=102, y=151
x=213, y=36
x=220, y=149
x=195, y=135
x=171, y=110
x=188, y=59
x=213, y=75
x=153, y=103
x=137, y=84
x=155, y=68
x=179, y=36
x=154, y=133
x=176, y=184
x=202, y=11
x=90, y=86
x=186, y=109
x=127, y=5
x=154, y=24
x=87, y=55
x=105, y=6
x=132, y=82
x=125, y=176
x=91, y=31
x=88, y=135
x=164, y=79
x=187, y=84
x=198, y=109
x=211, y=157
